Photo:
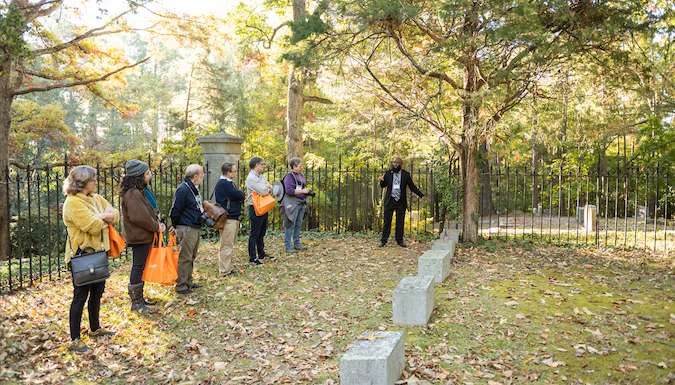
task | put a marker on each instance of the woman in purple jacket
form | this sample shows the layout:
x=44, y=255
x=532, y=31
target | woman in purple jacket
x=295, y=186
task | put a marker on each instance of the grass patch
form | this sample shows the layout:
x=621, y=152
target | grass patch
x=509, y=313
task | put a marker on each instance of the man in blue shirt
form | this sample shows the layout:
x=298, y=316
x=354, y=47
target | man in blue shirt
x=229, y=197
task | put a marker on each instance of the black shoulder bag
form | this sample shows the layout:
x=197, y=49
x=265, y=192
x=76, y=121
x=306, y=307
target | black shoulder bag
x=89, y=266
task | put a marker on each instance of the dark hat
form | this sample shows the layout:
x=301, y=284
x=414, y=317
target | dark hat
x=135, y=167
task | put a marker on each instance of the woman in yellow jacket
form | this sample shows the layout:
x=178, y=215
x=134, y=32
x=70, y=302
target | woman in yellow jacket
x=87, y=217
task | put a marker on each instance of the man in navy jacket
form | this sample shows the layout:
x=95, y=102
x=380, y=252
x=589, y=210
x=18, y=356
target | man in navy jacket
x=229, y=197
x=185, y=213
x=395, y=180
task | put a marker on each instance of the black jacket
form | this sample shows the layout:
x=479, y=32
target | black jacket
x=226, y=190
x=406, y=180
x=185, y=210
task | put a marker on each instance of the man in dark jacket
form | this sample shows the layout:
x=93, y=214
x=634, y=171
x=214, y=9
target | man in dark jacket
x=395, y=180
x=185, y=214
x=229, y=197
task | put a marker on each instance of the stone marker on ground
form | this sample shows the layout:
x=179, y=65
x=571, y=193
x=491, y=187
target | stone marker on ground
x=413, y=300
x=642, y=213
x=444, y=244
x=435, y=263
x=580, y=215
x=451, y=234
x=591, y=217
x=376, y=358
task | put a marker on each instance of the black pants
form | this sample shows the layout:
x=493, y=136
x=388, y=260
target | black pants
x=400, y=220
x=257, y=235
x=80, y=293
x=140, y=256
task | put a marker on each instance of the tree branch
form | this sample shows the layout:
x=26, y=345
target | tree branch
x=16, y=164
x=78, y=83
x=91, y=33
x=419, y=68
x=310, y=98
x=267, y=44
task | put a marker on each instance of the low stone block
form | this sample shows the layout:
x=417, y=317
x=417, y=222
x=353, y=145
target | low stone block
x=454, y=235
x=413, y=300
x=435, y=263
x=444, y=244
x=580, y=215
x=642, y=213
x=374, y=360
x=591, y=217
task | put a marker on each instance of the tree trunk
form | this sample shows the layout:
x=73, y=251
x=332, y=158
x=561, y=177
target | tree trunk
x=295, y=97
x=486, y=205
x=470, y=181
x=294, y=118
x=6, y=98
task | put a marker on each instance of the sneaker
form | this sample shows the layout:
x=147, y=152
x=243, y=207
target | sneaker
x=402, y=244
x=232, y=273
x=101, y=332
x=79, y=346
x=291, y=251
x=268, y=257
x=185, y=292
x=301, y=247
x=382, y=244
x=196, y=286
x=255, y=262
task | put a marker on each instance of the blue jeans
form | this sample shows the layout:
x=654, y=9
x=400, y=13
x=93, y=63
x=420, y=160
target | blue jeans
x=256, y=236
x=294, y=229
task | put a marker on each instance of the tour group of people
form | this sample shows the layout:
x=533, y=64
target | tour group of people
x=87, y=216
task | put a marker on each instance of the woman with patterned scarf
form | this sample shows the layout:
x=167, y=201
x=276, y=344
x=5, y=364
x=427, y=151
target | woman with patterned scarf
x=141, y=220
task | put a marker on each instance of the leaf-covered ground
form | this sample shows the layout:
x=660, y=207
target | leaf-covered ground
x=509, y=313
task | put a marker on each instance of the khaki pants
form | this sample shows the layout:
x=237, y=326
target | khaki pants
x=228, y=237
x=188, y=237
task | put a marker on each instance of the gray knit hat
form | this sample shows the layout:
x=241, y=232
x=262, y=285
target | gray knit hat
x=135, y=167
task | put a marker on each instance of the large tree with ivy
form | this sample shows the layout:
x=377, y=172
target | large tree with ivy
x=460, y=65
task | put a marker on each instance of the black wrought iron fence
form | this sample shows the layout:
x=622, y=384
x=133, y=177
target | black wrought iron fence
x=631, y=208
x=347, y=200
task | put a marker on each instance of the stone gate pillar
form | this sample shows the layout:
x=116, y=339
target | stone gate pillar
x=217, y=149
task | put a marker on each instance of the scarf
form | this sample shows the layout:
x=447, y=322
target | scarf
x=151, y=198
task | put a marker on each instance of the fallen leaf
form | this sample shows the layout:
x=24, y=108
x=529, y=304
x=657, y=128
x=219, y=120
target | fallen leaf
x=544, y=336
x=370, y=337
x=511, y=303
x=520, y=316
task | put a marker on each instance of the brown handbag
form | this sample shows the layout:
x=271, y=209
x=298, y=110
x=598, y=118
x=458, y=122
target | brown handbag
x=216, y=212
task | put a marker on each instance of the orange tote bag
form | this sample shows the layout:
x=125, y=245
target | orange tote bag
x=262, y=204
x=116, y=243
x=162, y=263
